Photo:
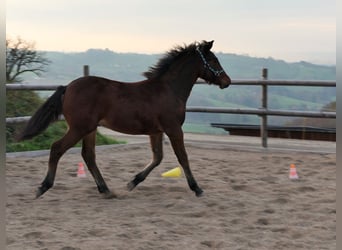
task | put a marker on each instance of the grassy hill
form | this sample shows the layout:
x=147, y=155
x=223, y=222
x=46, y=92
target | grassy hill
x=129, y=66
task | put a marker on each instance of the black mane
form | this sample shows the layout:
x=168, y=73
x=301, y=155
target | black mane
x=170, y=57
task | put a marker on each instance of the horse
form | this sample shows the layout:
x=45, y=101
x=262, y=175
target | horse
x=153, y=106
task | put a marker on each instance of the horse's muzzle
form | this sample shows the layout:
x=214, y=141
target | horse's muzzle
x=224, y=81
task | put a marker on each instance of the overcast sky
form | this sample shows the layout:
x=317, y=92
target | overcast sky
x=292, y=30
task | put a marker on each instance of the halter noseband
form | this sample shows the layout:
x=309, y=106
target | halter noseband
x=207, y=65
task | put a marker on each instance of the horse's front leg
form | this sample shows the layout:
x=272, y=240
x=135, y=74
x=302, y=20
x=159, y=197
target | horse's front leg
x=157, y=150
x=88, y=154
x=177, y=142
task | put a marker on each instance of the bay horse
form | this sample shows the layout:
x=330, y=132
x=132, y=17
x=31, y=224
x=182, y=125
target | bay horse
x=153, y=106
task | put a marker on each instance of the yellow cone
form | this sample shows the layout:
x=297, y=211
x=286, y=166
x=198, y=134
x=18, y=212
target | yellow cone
x=175, y=172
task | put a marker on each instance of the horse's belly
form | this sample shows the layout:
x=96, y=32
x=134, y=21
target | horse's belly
x=133, y=125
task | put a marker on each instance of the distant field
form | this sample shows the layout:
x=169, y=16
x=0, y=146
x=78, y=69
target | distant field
x=202, y=129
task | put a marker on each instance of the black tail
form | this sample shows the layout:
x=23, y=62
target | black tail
x=45, y=115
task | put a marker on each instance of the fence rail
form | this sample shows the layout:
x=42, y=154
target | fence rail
x=263, y=111
x=26, y=86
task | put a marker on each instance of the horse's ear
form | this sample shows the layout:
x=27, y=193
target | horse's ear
x=208, y=45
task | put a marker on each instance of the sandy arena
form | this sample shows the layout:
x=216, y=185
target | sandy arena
x=249, y=201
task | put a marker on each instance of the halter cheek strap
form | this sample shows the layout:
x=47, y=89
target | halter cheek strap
x=207, y=65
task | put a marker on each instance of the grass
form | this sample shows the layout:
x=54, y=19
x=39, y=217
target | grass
x=201, y=129
x=284, y=102
x=53, y=133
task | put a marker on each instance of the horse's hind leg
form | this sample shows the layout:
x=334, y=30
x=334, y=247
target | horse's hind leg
x=58, y=148
x=88, y=154
x=157, y=149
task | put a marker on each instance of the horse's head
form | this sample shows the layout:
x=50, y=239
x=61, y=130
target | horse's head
x=211, y=71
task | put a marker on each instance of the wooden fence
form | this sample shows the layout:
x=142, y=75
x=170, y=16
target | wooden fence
x=263, y=111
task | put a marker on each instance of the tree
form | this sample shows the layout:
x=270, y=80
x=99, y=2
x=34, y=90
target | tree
x=21, y=57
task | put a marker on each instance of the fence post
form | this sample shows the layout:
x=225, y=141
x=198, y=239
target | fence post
x=85, y=70
x=263, y=127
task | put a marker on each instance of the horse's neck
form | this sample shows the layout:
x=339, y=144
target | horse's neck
x=182, y=78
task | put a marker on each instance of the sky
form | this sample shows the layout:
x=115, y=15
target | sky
x=290, y=30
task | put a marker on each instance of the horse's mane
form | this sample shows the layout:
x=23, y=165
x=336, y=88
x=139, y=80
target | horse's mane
x=165, y=62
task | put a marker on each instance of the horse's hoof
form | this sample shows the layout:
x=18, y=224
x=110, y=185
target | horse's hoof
x=131, y=185
x=109, y=195
x=40, y=191
x=199, y=192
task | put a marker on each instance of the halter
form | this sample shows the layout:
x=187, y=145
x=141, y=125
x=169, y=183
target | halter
x=207, y=65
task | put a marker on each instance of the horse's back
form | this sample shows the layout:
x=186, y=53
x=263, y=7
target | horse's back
x=90, y=83
x=86, y=98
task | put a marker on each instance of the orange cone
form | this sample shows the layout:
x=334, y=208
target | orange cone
x=81, y=171
x=293, y=172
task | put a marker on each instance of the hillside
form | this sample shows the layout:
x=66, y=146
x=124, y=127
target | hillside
x=129, y=67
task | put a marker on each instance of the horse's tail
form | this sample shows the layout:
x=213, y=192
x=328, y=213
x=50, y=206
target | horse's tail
x=46, y=114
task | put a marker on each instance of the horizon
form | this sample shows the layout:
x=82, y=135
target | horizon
x=159, y=54
x=291, y=31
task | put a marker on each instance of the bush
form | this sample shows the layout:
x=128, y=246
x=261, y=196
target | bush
x=53, y=133
x=24, y=103
x=21, y=103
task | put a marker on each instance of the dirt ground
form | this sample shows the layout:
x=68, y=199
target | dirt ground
x=249, y=202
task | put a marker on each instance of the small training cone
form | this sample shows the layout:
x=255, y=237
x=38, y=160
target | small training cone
x=293, y=172
x=175, y=172
x=81, y=171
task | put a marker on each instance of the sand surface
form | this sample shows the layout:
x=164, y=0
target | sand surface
x=249, y=202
